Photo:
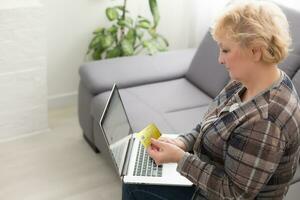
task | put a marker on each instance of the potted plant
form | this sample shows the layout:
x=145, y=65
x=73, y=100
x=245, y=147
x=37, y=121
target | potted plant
x=126, y=36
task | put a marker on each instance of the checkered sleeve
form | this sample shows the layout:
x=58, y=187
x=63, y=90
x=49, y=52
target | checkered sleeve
x=189, y=139
x=254, y=151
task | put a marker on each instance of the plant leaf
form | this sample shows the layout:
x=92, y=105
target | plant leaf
x=112, y=30
x=145, y=24
x=131, y=36
x=111, y=13
x=115, y=52
x=159, y=44
x=124, y=23
x=150, y=46
x=152, y=32
x=94, y=42
x=106, y=41
x=127, y=48
x=154, y=12
x=97, y=54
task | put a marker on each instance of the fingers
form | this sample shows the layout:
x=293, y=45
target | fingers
x=168, y=140
x=155, y=150
x=155, y=156
x=153, y=147
x=153, y=153
x=157, y=143
x=164, y=139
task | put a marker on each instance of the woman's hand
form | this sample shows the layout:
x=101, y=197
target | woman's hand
x=164, y=152
x=176, y=142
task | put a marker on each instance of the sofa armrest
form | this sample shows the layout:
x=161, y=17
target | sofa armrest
x=99, y=76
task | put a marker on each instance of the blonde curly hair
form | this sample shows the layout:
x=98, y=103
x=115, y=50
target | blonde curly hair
x=255, y=23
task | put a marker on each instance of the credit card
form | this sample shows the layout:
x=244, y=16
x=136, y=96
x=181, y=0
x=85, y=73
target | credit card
x=145, y=135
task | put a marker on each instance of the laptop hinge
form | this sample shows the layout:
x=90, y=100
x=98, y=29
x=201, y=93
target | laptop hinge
x=127, y=157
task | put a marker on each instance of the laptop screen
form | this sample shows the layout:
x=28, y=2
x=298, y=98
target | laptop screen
x=116, y=128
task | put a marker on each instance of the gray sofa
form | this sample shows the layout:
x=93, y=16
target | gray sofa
x=172, y=89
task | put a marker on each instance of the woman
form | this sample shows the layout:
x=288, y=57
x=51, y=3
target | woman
x=247, y=146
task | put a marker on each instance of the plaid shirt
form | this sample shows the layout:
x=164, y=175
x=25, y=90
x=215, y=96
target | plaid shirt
x=250, y=152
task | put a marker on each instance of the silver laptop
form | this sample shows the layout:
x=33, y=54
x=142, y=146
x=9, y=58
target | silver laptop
x=129, y=156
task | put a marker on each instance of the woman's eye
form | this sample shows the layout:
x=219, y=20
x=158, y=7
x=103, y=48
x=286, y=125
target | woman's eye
x=225, y=51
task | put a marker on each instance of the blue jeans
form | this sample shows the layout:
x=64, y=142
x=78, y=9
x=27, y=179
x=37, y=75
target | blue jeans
x=156, y=192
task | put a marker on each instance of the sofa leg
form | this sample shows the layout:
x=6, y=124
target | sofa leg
x=96, y=150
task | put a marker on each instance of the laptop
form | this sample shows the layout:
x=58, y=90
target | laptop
x=131, y=160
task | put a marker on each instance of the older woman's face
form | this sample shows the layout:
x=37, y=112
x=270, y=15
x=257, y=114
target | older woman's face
x=236, y=60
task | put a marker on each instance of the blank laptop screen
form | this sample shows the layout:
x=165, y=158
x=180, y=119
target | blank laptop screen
x=116, y=128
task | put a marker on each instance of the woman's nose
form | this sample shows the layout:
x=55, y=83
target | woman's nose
x=221, y=60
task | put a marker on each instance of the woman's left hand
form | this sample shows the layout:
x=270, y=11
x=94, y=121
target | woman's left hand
x=163, y=152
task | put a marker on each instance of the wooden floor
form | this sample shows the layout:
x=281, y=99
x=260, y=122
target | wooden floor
x=55, y=165
x=59, y=165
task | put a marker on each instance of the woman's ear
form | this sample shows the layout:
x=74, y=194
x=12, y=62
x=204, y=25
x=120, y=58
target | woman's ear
x=256, y=54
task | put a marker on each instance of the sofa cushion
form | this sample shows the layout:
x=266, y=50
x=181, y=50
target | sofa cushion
x=187, y=119
x=293, y=192
x=160, y=103
x=290, y=65
x=170, y=96
x=205, y=71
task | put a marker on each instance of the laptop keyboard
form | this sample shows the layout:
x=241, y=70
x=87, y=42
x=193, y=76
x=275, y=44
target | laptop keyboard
x=145, y=165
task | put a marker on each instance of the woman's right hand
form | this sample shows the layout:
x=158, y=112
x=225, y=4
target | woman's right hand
x=174, y=141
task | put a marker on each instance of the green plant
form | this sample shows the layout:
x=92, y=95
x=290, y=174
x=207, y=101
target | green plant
x=126, y=37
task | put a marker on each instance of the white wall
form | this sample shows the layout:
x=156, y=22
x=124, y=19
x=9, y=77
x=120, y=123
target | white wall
x=69, y=27
x=23, y=86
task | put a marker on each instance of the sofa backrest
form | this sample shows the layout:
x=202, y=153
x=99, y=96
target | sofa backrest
x=208, y=75
x=205, y=72
x=291, y=65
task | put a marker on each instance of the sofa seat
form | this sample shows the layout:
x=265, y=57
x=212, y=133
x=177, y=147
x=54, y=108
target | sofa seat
x=176, y=106
x=293, y=192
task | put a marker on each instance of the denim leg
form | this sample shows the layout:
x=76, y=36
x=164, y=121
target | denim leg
x=156, y=192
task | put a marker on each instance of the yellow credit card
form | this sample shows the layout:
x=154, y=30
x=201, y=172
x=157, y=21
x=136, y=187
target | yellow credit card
x=145, y=135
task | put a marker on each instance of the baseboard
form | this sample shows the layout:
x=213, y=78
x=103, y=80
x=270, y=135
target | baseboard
x=62, y=100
